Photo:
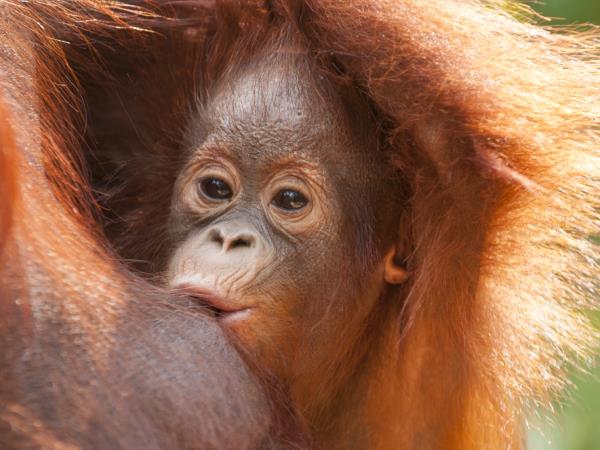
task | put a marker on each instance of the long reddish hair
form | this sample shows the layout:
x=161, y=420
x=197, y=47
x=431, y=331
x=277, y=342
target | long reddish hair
x=493, y=123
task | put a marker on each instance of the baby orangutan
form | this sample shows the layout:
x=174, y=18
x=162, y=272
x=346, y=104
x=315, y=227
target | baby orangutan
x=366, y=223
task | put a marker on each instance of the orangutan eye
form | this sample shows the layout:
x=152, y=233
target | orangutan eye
x=216, y=189
x=289, y=200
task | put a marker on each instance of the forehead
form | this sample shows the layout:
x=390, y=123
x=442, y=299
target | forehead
x=273, y=94
x=275, y=109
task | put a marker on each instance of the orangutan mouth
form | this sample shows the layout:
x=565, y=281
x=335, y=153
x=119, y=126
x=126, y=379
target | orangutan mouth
x=214, y=303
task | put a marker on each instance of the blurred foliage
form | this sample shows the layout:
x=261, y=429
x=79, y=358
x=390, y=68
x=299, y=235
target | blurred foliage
x=568, y=12
x=577, y=425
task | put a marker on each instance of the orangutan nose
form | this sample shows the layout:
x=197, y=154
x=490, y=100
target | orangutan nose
x=232, y=239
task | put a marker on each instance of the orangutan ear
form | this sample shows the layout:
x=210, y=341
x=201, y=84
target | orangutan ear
x=393, y=273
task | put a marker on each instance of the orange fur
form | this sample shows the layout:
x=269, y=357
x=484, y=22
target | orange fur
x=493, y=122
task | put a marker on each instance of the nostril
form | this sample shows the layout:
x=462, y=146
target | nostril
x=241, y=242
x=216, y=236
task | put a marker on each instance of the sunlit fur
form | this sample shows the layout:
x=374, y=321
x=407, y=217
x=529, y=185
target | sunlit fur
x=493, y=122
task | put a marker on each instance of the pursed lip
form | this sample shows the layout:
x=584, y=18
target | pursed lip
x=213, y=302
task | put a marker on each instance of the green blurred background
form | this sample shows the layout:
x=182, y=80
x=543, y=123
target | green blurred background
x=569, y=11
x=577, y=426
